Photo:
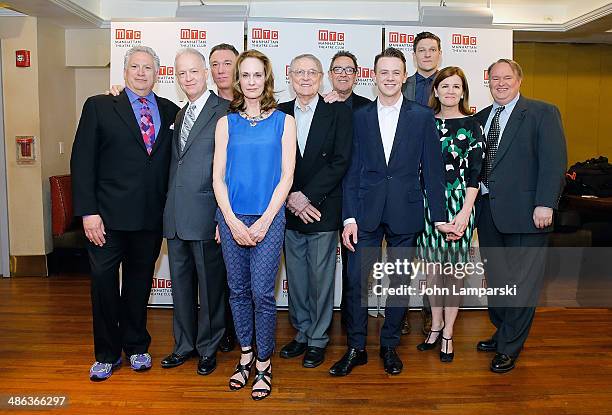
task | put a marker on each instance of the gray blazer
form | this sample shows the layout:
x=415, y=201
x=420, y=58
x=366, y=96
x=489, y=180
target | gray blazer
x=529, y=168
x=409, y=87
x=190, y=203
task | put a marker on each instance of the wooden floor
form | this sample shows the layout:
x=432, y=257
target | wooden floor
x=46, y=349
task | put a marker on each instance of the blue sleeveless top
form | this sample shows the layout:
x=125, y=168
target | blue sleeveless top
x=254, y=158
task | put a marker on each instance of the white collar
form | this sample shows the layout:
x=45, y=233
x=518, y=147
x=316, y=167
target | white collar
x=312, y=104
x=397, y=106
x=200, y=102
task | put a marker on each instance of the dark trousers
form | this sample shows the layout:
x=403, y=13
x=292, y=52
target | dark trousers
x=196, y=267
x=120, y=319
x=360, y=262
x=511, y=258
x=251, y=276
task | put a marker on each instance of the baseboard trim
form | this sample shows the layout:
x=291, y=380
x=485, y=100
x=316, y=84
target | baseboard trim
x=29, y=266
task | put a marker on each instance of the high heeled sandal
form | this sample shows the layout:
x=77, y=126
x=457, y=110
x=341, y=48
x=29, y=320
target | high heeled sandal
x=444, y=356
x=428, y=346
x=261, y=376
x=242, y=370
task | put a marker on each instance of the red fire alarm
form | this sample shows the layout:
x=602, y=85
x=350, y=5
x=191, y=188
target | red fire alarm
x=22, y=58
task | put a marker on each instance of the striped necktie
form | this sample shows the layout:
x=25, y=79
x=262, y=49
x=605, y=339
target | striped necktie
x=147, y=128
x=492, y=142
x=187, y=124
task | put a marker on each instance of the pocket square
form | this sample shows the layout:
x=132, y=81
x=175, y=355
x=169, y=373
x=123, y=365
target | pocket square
x=172, y=126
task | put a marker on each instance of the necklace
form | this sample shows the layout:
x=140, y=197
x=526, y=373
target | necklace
x=253, y=120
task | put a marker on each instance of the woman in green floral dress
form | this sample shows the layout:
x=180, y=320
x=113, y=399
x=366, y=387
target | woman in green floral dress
x=462, y=144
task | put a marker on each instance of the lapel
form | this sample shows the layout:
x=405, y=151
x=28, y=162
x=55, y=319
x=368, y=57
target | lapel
x=374, y=127
x=202, y=121
x=401, y=131
x=512, y=127
x=176, y=134
x=123, y=107
x=318, y=131
x=289, y=109
x=165, y=124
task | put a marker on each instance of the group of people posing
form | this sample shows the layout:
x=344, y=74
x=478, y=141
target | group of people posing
x=234, y=179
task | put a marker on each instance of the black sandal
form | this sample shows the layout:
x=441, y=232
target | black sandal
x=243, y=370
x=428, y=346
x=446, y=357
x=261, y=376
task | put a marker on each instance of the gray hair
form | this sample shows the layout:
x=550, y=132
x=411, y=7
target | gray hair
x=516, y=68
x=144, y=49
x=190, y=51
x=308, y=56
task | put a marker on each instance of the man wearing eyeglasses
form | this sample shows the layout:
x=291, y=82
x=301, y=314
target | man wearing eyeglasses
x=427, y=55
x=314, y=209
x=343, y=75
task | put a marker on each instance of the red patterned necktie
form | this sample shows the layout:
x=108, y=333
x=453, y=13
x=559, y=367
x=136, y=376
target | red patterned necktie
x=147, y=128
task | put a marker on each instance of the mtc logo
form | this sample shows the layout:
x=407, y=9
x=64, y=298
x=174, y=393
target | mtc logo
x=365, y=73
x=328, y=36
x=264, y=34
x=397, y=37
x=166, y=70
x=127, y=34
x=192, y=34
x=459, y=39
x=486, y=75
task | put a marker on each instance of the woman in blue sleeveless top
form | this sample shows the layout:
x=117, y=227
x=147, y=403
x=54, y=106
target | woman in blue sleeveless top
x=252, y=174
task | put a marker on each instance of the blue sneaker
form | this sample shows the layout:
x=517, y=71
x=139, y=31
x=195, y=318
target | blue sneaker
x=140, y=362
x=102, y=371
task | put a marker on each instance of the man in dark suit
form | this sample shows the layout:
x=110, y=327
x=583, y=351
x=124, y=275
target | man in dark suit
x=343, y=75
x=427, y=55
x=394, y=139
x=196, y=262
x=324, y=133
x=119, y=167
x=522, y=181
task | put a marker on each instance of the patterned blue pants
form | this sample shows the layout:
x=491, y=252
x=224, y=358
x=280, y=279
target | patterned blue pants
x=251, y=276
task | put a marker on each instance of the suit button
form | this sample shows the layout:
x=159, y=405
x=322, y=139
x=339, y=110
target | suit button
x=389, y=177
x=180, y=162
x=324, y=154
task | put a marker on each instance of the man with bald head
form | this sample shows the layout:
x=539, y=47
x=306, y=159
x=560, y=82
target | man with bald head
x=314, y=208
x=196, y=262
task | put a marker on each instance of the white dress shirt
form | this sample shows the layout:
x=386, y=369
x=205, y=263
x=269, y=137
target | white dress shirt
x=199, y=104
x=303, y=120
x=387, y=123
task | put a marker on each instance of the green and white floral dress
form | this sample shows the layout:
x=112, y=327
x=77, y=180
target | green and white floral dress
x=462, y=144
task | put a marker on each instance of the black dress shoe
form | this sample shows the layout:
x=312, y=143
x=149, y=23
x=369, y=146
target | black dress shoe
x=351, y=358
x=502, y=363
x=207, y=365
x=391, y=361
x=314, y=357
x=293, y=349
x=227, y=343
x=488, y=345
x=174, y=360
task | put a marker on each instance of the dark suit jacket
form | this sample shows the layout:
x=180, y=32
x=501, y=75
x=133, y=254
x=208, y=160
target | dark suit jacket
x=191, y=204
x=112, y=173
x=359, y=101
x=318, y=174
x=375, y=192
x=409, y=87
x=529, y=167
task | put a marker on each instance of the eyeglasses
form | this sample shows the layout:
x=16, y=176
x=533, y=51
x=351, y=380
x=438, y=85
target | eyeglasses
x=349, y=70
x=311, y=73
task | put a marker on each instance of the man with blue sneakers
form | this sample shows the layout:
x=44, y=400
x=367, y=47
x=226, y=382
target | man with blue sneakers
x=119, y=166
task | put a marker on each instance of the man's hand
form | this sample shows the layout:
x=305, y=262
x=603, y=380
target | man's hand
x=542, y=217
x=331, y=97
x=115, y=90
x=217, y=235
x=297, y=202
x=94, y=229
x=310, y=214
x=349, y=236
